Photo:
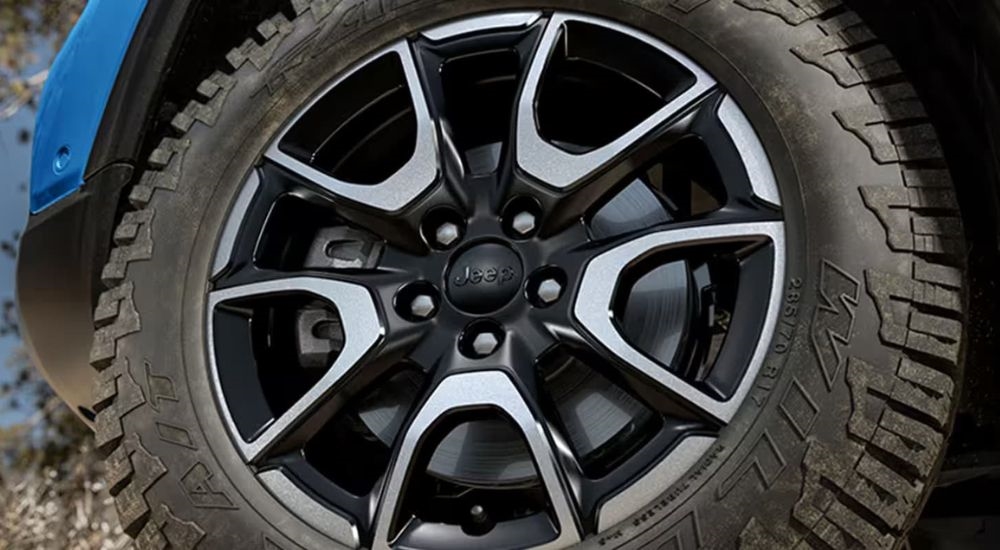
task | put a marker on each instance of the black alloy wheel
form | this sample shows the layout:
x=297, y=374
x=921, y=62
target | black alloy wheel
x=530, y=276
x=519, y=327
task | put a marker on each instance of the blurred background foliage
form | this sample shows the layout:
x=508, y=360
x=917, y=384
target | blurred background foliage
x=51, y=493
x=26, y=27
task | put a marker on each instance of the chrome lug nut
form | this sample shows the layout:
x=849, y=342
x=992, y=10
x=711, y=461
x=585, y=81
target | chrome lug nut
x=478, y=514
x=423, y=306
x=485, y=344
x=524, y=223
x=549, y=291
x=447, y=233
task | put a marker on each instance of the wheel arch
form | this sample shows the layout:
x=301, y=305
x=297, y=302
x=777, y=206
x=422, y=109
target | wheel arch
x=175, y=45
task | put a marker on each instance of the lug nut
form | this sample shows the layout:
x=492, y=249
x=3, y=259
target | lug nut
x=524, y=223
x=485, y=344
x=478, y=514
x=447, y=233
x=417, y=301
x=549, y=291
x=423, y=306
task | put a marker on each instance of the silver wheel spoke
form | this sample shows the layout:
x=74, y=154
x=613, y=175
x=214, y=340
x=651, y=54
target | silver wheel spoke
x=654, y=482
x=317, y=516
x=363, y=330
x=472, y=25
x=417, y=176
x=485, y=389
x=751, y=151
x=563, y=170
x=593, y=308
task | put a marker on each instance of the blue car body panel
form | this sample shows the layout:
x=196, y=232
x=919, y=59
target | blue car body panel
x=75, y=96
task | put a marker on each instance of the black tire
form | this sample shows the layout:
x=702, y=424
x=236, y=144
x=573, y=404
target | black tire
x=846, y=426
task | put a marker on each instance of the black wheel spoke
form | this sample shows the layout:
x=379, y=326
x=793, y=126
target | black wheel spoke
x=474, y=155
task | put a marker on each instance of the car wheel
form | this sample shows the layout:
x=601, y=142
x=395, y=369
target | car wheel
x=509, y=274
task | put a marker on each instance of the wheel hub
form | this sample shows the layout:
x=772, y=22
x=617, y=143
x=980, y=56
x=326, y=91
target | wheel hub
x=484, y=277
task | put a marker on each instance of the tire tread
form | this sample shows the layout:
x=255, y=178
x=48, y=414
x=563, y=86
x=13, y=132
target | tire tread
x=899, y=415
x=132, y=469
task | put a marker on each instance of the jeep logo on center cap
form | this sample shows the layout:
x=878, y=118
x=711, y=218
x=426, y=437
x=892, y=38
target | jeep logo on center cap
x=484, y=278
x=485, y=275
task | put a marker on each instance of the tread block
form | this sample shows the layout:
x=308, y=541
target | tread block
x=133, y=510
x=300, y=6
x=895, y=129
x=756, y=537
x=319, y=8
x=910, y=218
x=875, y=62
x=115, y=317
x=165, y=530
x=903, y=110
x=864, y=380
x=825, y=54
x=215, y=90
x=889, y=495
x=937, y=296
x=167, y=161
x=903, y=326
x=128, y=229
x=117, y=469
x=117, y=395
x=867, y=123
x=939, y=275
x=794, y=12
x=858, y=528
x=926, y=177
x=910, y=384
x=891, y=93
x=924, y=389
x=815, y=499
x=918, y=142
x=909, y=440
x=273, y=32
x=135, y=242
x=842, y=492
x=849, y=52
x=840, y=23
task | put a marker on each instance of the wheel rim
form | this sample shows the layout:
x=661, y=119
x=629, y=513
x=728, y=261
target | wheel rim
x=448, y=310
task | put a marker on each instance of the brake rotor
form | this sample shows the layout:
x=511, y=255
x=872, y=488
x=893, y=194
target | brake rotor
x=593, y=410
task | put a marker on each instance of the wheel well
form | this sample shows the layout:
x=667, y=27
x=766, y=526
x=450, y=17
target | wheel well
x=177, y=45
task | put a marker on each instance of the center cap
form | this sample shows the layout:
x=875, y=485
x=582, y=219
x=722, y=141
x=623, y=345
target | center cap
x=484, y=278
